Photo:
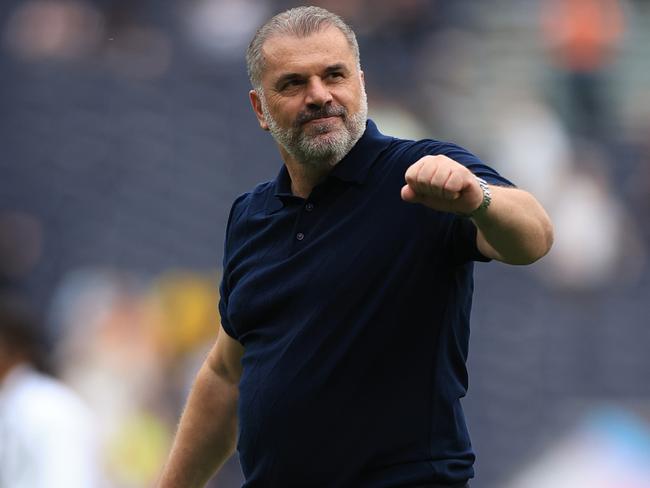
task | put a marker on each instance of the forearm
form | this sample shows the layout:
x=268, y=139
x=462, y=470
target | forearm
x=515, y=228
x=206, y=434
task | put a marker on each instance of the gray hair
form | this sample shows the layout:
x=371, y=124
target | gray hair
x=299, y=22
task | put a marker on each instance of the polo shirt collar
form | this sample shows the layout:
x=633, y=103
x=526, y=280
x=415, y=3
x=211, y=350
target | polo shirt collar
x=353, y=168
x=282, y=184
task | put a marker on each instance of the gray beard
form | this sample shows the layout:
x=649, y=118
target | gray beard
x=327, y=147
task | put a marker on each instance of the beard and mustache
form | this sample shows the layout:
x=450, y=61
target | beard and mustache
x=327, y=142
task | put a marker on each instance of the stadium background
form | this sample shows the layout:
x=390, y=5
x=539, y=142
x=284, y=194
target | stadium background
x=125, y=134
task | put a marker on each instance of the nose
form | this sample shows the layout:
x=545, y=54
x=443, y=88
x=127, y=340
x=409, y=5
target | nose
x=317, y=94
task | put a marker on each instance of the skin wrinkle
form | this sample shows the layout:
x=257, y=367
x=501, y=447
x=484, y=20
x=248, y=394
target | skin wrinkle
x=285, y=24
x=307, y=151
x=299, y=87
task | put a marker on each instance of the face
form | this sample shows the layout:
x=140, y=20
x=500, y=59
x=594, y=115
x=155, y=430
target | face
x=313, y=100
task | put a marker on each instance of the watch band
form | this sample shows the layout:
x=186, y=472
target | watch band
x=487, y=198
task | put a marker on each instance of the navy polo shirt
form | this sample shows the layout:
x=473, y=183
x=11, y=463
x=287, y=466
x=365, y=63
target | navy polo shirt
x=353, y=309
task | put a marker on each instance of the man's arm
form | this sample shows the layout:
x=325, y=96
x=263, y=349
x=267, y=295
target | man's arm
x=514, y=229
x=207, y=432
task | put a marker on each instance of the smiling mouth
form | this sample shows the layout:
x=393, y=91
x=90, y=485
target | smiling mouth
x=322, y=120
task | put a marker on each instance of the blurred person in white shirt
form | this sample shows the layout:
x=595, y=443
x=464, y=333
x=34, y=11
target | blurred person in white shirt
x=47, y=437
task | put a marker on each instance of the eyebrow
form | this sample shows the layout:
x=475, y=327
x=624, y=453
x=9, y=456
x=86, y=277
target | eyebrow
x=336, y=67
x=297, y=76
x=285, y=78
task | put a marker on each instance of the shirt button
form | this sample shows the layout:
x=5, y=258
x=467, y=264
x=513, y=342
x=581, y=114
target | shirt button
x=309, y=207
x=300, y=236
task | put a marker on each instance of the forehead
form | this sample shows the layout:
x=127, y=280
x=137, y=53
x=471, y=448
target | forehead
x=284, y=52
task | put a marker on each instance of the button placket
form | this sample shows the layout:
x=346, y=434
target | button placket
x=308, y=207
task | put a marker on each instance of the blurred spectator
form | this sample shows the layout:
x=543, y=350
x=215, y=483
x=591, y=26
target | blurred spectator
x=54, y=29
x=532, y=145
x=591, y=226
x=47, y=438
x=131, y=347
x=583, y=36
x=108, y=354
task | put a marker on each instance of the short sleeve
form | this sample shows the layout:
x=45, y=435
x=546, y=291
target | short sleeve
x=462, y=237
x=223, y=308
x=224, y=289
x=463, y=242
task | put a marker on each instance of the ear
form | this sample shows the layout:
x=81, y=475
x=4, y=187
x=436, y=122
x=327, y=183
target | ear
x=362, y=76
x=256, y=103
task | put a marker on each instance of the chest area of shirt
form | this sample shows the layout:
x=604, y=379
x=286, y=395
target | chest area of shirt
x=324, y=251
x=325, y=234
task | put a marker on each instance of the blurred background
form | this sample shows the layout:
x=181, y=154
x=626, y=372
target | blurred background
x=126, y=132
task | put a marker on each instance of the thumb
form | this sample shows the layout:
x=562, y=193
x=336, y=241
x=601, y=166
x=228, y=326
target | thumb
x=408, y=195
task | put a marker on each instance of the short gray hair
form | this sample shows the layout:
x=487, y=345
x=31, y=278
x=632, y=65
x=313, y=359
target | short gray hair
x=299, y=22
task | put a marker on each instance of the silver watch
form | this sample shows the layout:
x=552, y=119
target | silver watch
x=487, y=198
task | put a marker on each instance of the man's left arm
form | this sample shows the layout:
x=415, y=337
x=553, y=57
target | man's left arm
x=514, y=228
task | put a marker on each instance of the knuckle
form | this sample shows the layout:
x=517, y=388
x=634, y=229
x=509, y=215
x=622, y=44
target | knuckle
x=440, y=159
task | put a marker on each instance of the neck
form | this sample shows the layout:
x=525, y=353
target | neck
x=305, y=175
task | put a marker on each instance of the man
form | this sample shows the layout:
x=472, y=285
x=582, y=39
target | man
x=346, y=293
x=47, y=436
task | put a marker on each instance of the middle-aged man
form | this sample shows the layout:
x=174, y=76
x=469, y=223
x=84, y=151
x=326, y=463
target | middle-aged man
x=347, y=287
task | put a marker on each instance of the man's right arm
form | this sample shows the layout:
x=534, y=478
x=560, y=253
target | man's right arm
x=207, y=431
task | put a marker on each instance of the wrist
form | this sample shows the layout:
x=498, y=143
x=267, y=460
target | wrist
x=485, y=202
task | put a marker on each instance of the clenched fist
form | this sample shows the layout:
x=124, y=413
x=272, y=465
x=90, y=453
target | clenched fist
x=442, y=184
